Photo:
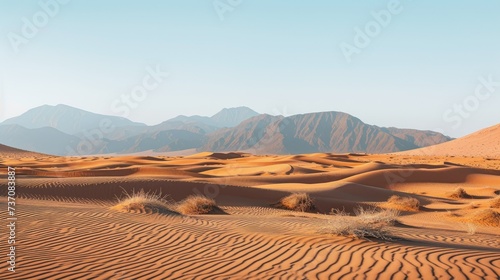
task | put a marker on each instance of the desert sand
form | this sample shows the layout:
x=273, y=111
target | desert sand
x=67, y=229
x=9, y=152
x=483, y=143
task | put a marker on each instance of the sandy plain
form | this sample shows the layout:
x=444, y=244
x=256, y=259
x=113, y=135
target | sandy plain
x=67, y=229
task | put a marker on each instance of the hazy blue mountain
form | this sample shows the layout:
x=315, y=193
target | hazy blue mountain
x=192, y=126
x=162, y=141
x=52, y=141
x=233, y=116
x=194, y=119
x=66, y=119
x=45, y=140
x=228, y=117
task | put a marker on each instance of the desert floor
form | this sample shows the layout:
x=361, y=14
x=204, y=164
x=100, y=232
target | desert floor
x=66, y=229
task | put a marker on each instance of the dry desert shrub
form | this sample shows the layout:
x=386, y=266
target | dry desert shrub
x=459, y=193
x=452, y=214
x=367, y=223
x=301, y=202
x=387, y=217
x=144, y=202
x=338, y=212
x=404, y=203
x=487, y=217
x=472, y=206
x=198, y=205
x=470, y=228
x=495, y=202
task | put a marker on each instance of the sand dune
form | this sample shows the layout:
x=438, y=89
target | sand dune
x=484, y=143
x=68, y=231
x=9, y=152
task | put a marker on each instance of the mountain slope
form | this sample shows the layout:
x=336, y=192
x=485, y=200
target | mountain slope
x=309, y=133
x=194, y=119
x=196, y=127
x=243, y=137
x=483, y=143
x=421, y=138
x=233, y=116
x=227, y=117
x=45, y=140
x=162, y=141
x=124, y=132
x=66, y=119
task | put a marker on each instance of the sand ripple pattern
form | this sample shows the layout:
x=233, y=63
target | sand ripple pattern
x=117, y=245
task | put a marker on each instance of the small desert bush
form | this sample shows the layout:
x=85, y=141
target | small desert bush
x=386, y=217
x=471, y=206
x=452, y=214
x=404, y=203
x=487, y=217
x=144, y=202
x=198, y=205
x=495, y=202
x=367, y=223
x=459, y=193
x=301, y=202
x=470, y=228
x=338, y=212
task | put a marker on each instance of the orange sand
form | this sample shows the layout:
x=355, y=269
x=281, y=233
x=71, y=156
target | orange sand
x=67, y=231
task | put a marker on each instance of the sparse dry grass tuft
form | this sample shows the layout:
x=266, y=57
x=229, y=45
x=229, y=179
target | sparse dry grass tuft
x=495, y=202
x=471, y=206
x=487, y=217
x=338, y=212
x=470, y=228
x=301, y=202
x=377, y=216
x=452, y=214
x=403, y=203
x=198, y=205
x=459, y=193
x=367, y=223
x=144, y=202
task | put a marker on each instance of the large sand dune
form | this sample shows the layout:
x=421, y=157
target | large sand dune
x=485, y=143
x=68, y=231
x=9, y=152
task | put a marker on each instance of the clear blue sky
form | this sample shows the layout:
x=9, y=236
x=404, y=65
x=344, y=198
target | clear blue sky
x=278, y=57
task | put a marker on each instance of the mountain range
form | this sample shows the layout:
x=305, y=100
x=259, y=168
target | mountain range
x=65, y=130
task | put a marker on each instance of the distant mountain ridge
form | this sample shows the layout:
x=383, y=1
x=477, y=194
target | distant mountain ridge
x=316, y=132
x=227, y=117
x=64, y=130
x=233, y=116
x=46, y=140
x=65, y=118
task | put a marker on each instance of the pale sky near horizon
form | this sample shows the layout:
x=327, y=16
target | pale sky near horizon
x=276, y=57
